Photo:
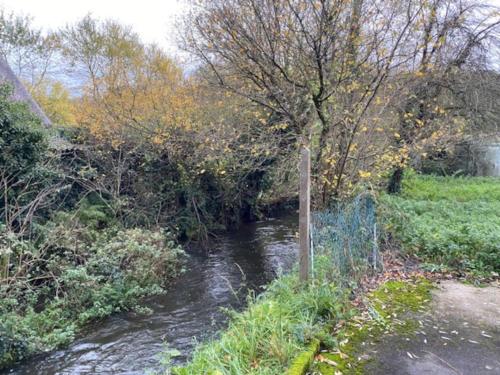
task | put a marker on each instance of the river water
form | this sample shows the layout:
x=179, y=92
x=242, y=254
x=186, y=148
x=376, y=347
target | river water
x=131, y=344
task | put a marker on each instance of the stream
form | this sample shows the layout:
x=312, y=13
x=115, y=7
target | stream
x=189, y=312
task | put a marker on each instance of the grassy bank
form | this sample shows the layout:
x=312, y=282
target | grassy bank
x=290, y=317
x=276, y=326
x=449, y=222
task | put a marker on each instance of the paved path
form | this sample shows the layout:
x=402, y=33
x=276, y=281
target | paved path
x=459, y=335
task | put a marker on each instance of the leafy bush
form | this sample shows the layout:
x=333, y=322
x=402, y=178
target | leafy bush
x=22, y=140
x=449, y=221
x=75, y=273
x=139, y=255
x=24, y=175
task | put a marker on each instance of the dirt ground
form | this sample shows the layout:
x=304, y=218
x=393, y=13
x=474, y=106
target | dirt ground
x=460, y=334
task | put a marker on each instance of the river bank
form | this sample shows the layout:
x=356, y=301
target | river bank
x=131, y=343
x=278, y=332
x=76, y=277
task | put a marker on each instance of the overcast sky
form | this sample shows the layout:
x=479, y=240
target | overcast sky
x=152, y=19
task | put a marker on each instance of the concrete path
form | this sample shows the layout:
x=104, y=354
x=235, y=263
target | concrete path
x=460, y=334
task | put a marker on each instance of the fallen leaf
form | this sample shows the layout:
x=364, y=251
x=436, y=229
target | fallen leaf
x=323, y=359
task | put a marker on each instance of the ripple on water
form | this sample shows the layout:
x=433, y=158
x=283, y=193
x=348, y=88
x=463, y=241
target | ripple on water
x=129, y=344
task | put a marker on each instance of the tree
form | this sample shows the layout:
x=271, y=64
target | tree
x=34, y=58
x=133, y=91
x=56, y=102
x=135, y=99
x=155, y=143
x=30, y=53
x=447, y=66
x=317, y=66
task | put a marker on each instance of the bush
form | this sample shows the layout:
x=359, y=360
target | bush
x=138, y=255
x=448, y=221
x=74, y=274
x=22, y=139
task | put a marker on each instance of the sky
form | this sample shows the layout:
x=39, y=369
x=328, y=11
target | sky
x=153, y=20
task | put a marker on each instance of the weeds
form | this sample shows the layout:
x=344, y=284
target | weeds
x=450, y=222
x=277, y=325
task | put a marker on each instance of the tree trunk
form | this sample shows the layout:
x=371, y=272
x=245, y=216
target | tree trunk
x=395, y=182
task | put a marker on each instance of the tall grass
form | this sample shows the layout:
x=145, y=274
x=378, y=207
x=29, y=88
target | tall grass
x=279, y=323
x=448, y=221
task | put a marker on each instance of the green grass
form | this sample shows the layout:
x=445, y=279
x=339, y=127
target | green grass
x=452, y=189
x=275, y=327
x=450, y=222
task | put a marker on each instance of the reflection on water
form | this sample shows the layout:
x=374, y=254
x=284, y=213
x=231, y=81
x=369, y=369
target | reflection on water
x=130, y=344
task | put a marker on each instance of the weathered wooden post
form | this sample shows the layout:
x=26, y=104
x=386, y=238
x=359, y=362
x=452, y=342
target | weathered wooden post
x=304, y=212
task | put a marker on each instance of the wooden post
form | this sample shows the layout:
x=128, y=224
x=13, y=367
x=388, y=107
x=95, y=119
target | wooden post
x=304, y=212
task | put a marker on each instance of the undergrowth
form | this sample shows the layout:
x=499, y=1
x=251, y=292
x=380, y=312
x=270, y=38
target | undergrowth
x=81, y=267
x=451, y=223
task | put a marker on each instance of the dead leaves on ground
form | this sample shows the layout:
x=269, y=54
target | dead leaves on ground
x=321, y=358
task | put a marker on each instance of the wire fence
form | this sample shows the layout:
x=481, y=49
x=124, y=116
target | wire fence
x=347, y=237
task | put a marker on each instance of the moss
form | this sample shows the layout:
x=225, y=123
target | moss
x=394, y=297
x=304, y=360
x=390, y=308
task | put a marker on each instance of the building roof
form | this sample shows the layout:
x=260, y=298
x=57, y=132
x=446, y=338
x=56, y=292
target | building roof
x=7, y=75
x=20, y=93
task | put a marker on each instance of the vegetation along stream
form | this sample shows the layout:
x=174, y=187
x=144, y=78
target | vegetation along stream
x=131, y=343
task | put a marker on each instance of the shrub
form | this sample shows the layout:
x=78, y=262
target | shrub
x=22, y=140
x=75, y=274
x=139, y=255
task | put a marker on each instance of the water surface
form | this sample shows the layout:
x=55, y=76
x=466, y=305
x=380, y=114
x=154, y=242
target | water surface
x=131, y=344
